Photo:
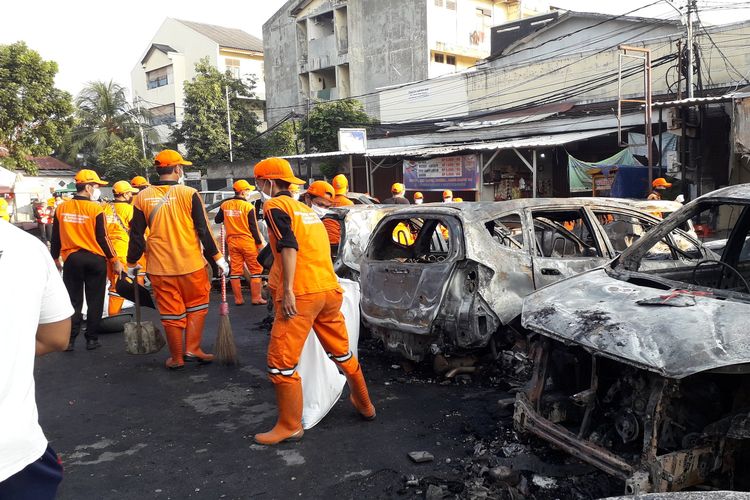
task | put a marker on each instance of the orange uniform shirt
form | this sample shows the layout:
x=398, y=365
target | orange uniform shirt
x=174, y=247
x=77, y=223
x=341, y=201
x=333, y=228
x=236, y=218
x=119, y=215
x=314, y=272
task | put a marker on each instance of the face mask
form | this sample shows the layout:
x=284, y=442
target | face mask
x=418, y=201
x=295, y=196
x=319, y=211
x=447, y=200
x=263, y=195
x=96, y=194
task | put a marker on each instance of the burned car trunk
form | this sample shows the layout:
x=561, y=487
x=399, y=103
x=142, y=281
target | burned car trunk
x=642, y=367
x=450, y=277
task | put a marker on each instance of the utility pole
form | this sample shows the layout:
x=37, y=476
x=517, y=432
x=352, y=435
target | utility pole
x=690, y=49
x=307, y=141
x=138, y=117
x=229, y=125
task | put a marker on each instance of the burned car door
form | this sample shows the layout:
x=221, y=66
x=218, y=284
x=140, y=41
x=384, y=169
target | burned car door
x=407, y=268
x=565, y=243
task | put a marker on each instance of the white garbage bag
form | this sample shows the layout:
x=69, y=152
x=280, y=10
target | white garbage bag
x=322, y=383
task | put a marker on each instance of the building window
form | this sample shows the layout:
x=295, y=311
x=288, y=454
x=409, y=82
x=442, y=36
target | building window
x=450, y=60
x=438, y=3
x=450, y=4
x=233, y=66
x=439, y=58
x=162, y=115
x=159, y=77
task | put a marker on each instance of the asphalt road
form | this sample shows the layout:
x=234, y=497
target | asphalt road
x=125, y=427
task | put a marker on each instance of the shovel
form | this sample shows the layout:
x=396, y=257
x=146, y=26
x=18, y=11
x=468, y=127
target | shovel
x=142, y=337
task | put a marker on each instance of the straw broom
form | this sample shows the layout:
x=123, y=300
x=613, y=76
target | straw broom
x=226, y=350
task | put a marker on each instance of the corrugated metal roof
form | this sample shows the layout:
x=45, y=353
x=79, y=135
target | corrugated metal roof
x=231, y=38
x=693, y=101
x=516, y=143
x=317, y=155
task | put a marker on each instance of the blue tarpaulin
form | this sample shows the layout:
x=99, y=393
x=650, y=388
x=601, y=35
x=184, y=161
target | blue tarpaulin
x=578, y=171
x=631, y=181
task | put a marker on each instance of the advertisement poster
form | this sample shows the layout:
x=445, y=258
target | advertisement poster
x=458, y=173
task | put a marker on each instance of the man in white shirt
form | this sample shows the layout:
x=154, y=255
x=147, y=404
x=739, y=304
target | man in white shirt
x=35, y=321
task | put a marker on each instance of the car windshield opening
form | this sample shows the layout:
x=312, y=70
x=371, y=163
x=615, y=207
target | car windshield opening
x=716, y=257
x=421, y=240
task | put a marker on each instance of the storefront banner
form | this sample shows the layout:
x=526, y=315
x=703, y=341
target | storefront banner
x=458, y=173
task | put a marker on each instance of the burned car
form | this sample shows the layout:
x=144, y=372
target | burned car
x=642, y=367
x=443, y=277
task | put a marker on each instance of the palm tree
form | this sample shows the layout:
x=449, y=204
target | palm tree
x=103, y=117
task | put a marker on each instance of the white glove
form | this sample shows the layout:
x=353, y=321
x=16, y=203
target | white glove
x=132, y=270
x=223, y=266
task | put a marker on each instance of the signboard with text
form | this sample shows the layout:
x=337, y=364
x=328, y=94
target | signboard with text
x=458, y=173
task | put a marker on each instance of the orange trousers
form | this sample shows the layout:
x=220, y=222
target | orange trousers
x=114, y=305
x=320, y=312
x=242, y=252
x=180, y=298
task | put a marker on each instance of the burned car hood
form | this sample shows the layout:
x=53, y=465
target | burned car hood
x=603, y=315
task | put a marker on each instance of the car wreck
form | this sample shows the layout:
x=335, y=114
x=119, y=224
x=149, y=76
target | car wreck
x=642, y=367
x=440, y=278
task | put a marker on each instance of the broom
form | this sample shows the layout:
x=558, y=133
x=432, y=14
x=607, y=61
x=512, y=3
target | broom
x=226, y=350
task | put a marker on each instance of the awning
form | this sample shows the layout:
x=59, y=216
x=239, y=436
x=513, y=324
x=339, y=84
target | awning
x=319, y=155
x=539, y=141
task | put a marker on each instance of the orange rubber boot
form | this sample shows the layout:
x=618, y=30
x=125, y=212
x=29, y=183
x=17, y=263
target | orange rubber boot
x=359, y=396
x=289, y=423
x=193, y=335
x=115, y=305
x=255, y=287
x=237, y=291
x=174, y=341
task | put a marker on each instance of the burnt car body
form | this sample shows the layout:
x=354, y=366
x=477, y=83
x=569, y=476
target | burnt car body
x=642, y=367
x=438, y=277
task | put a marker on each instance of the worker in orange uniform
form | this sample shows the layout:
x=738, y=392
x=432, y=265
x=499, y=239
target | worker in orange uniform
x=4, y=210
x=320, y=197
x=340, y=187
x=447, y=196
x=397, y=195
x=418, y=198
x=79, y=237
x=306, y=295
x=178, y=226
x=140, y=183
x=659, y=186
x=243, y=241
x=119, y=214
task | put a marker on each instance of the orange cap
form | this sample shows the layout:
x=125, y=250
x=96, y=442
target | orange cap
x=397, y=188
x=122, y=187
x=418, y=196
x=321, y=189
x=242, y=185
x=340, y=184
x=87, y=176
x=447, y=194
x=169, y=158
x=661, y=182
x=275, y=169
x=139, y=182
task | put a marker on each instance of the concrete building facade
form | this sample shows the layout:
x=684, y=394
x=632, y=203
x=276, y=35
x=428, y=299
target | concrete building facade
x=322, y=50
x=169, y=61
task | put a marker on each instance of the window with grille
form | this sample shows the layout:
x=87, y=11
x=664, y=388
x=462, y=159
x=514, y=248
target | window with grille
x=233, y=66
x=159, y=77
x=439, y=58
x=450, y=4
x=450, y=60
x=162, y=115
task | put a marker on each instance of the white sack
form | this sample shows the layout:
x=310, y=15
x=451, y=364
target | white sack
x=322, y=383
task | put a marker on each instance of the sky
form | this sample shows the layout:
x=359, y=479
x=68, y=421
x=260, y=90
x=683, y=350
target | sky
x=92, y=40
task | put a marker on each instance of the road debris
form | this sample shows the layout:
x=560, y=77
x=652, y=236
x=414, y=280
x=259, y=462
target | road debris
x=421, y=456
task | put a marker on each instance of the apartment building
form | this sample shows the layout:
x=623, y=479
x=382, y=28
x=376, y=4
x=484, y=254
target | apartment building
x=321, y=50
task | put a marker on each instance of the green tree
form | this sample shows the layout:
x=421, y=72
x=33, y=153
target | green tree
x=281, y=141
x=204, y=126
x=103, y=118
x=34, y=115
x=327, y=118
x=122, y=160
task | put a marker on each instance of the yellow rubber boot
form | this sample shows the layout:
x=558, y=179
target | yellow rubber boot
x=255, y=287
x=237, y=291
x=359, y=396
x=193, y=336
x=289, y=423
x=176, y=348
